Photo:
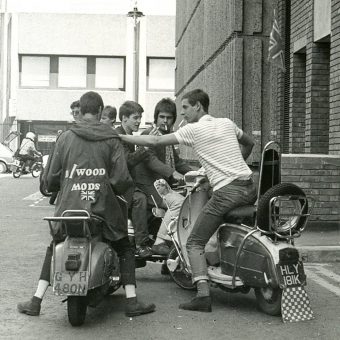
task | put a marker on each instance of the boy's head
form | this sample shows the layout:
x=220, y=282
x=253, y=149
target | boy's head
x=91, y=102
x=75, y=109
x=130, y=114
x=165, y=114
x=109, y=115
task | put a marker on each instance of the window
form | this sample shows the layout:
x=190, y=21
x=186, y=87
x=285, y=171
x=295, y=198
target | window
x=72, y=72
x=161, y=74
x=110, y=73
x=35, y=71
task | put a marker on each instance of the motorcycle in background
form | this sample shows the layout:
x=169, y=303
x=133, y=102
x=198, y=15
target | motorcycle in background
x=254, y=247
x=18, y=167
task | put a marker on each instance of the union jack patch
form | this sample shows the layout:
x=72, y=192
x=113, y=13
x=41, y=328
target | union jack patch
x=87, y=195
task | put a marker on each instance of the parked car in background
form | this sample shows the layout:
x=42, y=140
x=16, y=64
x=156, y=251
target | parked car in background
x=6, y=154
x=6, y=158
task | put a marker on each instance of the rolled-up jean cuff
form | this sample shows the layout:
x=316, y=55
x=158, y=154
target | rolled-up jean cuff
x=200, y=277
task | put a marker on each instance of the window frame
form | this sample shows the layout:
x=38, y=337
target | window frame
x=148, y=88
x=20, y=71
x=124, y=73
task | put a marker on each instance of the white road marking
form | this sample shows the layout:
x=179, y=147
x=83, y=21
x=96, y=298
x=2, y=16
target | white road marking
x=312, y=273
x=34, y=197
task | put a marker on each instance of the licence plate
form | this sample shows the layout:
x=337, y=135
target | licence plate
x=70, y=283
x=291, y=275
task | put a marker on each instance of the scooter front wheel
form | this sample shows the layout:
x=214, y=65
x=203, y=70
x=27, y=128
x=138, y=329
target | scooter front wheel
x=16, y=173
x=180, y=275
x=269, y=300
x=76, y=309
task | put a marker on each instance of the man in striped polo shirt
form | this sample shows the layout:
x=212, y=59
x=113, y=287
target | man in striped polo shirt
x=222, y=149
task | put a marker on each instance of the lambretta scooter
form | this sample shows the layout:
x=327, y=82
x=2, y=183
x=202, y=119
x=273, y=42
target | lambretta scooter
x=254, y=247
x=84, y=267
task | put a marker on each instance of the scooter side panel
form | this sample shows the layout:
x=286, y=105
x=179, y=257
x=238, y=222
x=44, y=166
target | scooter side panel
x=104, y=263
x=258, y=259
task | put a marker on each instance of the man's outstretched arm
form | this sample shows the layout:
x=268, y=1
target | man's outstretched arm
x=150, y=140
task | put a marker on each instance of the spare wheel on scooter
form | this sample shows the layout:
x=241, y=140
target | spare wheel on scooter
x=293, y=222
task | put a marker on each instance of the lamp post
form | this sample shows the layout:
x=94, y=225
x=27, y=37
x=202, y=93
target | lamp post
x=135, y=14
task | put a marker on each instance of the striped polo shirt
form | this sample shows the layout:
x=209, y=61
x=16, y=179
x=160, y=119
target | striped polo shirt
x=215, y=140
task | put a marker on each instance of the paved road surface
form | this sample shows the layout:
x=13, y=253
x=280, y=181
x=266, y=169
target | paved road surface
x=23, y=240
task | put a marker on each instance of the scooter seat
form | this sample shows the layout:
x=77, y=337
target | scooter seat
x=244, y=215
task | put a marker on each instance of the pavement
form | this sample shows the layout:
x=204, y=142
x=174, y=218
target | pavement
x=319, y=245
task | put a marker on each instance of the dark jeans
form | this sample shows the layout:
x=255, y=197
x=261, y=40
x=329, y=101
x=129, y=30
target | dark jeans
x=27, y=159
x=124, y=251
x=235, y=194
x=139, y=217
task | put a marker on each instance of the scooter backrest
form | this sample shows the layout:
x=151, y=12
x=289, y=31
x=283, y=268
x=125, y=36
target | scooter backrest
x=269, y=172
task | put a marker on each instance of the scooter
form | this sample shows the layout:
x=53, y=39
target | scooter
x=254, y=247
x=84, y=267
x=18, y=167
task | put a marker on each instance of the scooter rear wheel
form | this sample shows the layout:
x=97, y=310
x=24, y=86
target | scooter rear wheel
x=76, y=310
x=269, y=300
x=179, y=275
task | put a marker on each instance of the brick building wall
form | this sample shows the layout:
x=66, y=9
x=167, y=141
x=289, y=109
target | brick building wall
x=221, y=47
x=334, y=117
x=319, y=177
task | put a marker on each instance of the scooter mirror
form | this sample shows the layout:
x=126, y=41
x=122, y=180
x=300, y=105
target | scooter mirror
x=158, y=212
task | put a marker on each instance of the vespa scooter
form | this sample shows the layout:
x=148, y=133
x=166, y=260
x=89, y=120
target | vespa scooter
x=84, y=267
x=254, y=247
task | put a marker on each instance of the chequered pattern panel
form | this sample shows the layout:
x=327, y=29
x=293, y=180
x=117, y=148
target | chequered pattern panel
x=295, y=305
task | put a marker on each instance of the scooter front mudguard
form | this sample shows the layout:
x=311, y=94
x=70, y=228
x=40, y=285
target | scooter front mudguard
x=258, y=260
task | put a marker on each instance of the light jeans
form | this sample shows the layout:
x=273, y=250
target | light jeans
x=235, y=194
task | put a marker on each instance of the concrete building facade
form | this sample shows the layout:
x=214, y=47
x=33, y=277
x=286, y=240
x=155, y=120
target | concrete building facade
x=53, y=58
x=222, y=48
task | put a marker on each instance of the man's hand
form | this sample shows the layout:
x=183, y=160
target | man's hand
x=177, y=176
x=155, y=131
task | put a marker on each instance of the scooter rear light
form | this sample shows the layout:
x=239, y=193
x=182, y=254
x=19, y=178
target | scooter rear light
x=289, y=255
x=73, y=262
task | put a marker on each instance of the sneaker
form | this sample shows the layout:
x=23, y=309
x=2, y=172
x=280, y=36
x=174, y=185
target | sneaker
x=31, y=307
x=161, y=249
x=199, y=304
x=135, y=308
x=144, y=251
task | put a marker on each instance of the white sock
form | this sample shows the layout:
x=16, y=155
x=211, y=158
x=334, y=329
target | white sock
x=41, y=289
x=130, y=291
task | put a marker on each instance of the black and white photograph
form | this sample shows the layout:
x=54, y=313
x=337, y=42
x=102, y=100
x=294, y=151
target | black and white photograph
x=170, y=169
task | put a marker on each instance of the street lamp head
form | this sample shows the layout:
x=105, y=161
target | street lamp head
x=135, y=14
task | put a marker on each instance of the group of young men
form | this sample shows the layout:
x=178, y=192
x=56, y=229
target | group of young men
x=131, y=171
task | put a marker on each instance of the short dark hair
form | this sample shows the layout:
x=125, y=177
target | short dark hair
x=165, y=105
x=91, y=102
x=198, y=95
x=128, y=108
x=75, y=104
x=110, y=112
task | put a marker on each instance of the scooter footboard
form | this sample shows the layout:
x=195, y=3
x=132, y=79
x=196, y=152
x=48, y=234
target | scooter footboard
x=257, y=262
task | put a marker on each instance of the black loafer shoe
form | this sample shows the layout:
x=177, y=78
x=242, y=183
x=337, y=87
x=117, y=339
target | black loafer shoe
x=31, y=307
x=135, y=308
x=161, y=249
x=144, y=251
x=199, y=304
